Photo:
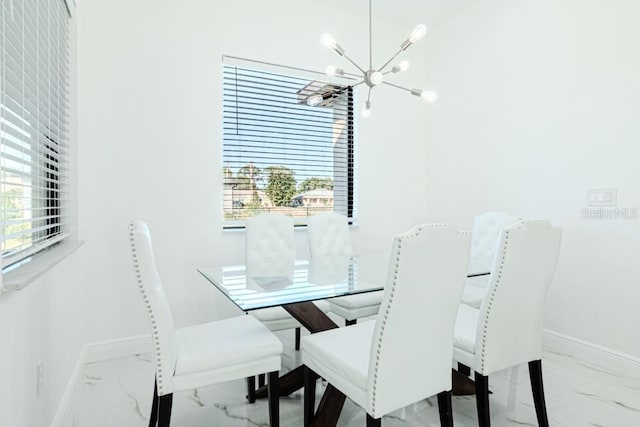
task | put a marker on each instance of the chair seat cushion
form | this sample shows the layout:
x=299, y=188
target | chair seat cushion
x=475, y=289
x=234, y=341
x=466, y=328
x=473, y=296
x=358, y=300
x=341, y=356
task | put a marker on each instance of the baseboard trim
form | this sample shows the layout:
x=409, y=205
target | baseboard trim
x=97, y=352
x=594, y=354
x=119, y=347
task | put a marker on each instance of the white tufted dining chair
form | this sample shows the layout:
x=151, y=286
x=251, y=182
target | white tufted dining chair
x=484, y=244
x=198, y=355
x=270, y=251
x=329, y=238
x=379, y=364
x=507, y=328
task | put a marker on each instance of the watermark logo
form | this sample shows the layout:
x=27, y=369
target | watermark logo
x=602, y=204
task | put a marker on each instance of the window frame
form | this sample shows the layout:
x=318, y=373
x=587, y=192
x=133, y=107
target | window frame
x=52, y=127
x=350, y=158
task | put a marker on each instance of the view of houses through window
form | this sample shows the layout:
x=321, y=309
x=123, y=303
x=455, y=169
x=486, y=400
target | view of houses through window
x=279, y=153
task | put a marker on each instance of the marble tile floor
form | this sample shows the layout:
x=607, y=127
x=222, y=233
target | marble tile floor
x=117, y=393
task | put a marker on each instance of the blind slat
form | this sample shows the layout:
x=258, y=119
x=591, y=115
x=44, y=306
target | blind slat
x=33, y=126
x=269, y=129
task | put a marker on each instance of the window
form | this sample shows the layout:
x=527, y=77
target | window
x=34, y=114
x=281, y=154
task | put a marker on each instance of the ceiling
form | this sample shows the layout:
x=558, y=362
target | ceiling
x=404, y=12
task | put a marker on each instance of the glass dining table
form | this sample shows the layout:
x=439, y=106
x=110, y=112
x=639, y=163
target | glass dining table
x=295, y=289
x=305, y=280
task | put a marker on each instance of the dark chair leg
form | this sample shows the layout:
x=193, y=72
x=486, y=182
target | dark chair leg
x=273, y=391
x=153, y=418
x=445, y=409
x=482, y=400
x=297, y=339
x=373, y=422
x=464, y=369
x=309, y=395
x=251, y=389
x=164, y=410
x=261, y=379
x=350, y=322
x=537, y=388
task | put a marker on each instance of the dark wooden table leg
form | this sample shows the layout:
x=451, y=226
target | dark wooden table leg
x=329, y=408
x=310, y=316
x=315, y=320
x=462, y=385
x=287, y=384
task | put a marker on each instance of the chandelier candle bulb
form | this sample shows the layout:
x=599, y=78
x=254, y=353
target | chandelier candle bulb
x=366, y=111
x=428, y=95
x=419, y=32
x=328, y=41
x=402, y=66
x=334, y=71
x=314, y=100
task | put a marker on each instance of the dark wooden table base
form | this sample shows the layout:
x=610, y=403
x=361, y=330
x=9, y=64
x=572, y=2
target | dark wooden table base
x=315, y=320
x=462, y=385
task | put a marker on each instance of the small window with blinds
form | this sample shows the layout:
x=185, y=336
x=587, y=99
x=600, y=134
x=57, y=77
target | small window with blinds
x=288, y=143
x=34, y=113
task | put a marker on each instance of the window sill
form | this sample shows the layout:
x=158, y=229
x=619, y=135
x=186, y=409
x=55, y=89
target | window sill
x=23, y=273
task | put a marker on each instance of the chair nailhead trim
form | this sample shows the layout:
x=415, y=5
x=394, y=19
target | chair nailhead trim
x=519, y=226
x=156, y=338
x=410, y=234
x=485, y=325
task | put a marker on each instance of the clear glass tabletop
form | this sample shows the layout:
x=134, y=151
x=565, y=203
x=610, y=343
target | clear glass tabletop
x=306, y=280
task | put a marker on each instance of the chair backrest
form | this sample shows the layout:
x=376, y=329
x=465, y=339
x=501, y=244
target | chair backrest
x=329, y=235
x=412, y=344
x=269, y=245
x=163, y=331
x=484, y=239
x=329, y=246
x=510, y=324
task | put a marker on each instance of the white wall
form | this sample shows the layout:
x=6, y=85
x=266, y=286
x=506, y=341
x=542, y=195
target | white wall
x=149, y=100
x=539, y=101
x=150, y=133
x=44, y=322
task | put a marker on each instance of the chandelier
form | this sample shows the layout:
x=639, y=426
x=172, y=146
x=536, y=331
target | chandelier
x=373, y=77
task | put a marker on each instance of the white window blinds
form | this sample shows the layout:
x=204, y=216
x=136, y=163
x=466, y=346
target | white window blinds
x=33, y=125
x=281, y=154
